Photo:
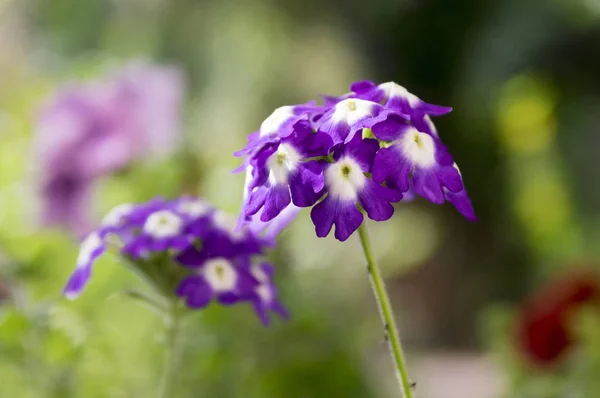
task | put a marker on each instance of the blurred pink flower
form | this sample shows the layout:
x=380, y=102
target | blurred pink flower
x=92, y=129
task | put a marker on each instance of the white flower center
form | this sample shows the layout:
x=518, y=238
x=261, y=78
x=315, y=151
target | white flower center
x=274, y=122
x=352, y=110
x=220, y=275
x=345, y=178
x=163, y=224
x=394, y=90
x=259, y=274
x=226, y=222
x=282, y=163
x=419, y=148
x=264, y=293
x=89, y=245
x=193, y=207
x=114, y=217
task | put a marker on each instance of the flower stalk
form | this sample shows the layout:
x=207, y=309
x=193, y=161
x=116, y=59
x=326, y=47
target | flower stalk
x=387, y=314
x=173, y=318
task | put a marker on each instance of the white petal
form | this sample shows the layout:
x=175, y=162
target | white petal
x=394, y=90
x=194, y=207
x=89, y=245
x=259, y=274
x=163, y=224
x=115, y=216
x=265, y=293
x=352, y=110
x=282, y=163
x=419, y=148
x=276, y=120
x=344, y=179
x=220, y=275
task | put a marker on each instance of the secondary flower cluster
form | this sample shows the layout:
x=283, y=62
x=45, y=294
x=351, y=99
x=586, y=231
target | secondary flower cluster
x=185, y=248
x=95, y=128
x=369, y=147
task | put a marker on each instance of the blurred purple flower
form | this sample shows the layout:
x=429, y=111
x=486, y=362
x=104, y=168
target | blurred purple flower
x=92, y=129
x=188, y=250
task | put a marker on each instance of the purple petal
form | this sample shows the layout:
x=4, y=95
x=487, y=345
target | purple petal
x=348, y=117
x=306, y=183
x=317, y=144
x=343, y=214
x=391, y=167
x=196, y=292
x=270, y=230
x=337, y=130
x=362, y=86
x=462, y=203
x=423, y=123
x=434, y=110
x=426, y=184
x=376, y=199
x=449, y=177
x=77, y=282
x=228, y=298
x=91, y=248
x=362, y=151
x=250, y=145
x=256, y=201
x=391, y=128
x=368, y=90
x=259, y=170
x=267, y=301
x=192, y=257
x=276, y=199
x=262, y=312
x=442, y=155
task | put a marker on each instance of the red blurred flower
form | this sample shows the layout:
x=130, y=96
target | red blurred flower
x=544, y=332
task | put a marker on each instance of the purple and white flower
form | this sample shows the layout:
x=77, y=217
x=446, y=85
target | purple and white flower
x=420, y=158
x=349, y=116
x=283, y=173
x=359, y=153
x=347, y=185
x=280, y=124
x=220, y=279
x=185, y=247
x=162, y=231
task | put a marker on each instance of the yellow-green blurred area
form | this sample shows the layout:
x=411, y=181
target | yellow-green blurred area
x=523, y=77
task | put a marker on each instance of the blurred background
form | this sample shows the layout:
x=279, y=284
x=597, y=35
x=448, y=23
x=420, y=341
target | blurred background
x=493, y=309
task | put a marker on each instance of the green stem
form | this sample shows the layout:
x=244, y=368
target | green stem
x=387, y=314
x=172, y=326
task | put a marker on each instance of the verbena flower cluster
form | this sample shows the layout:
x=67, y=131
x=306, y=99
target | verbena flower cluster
x=362, y=151
x=185, y=248
x=94, y=128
